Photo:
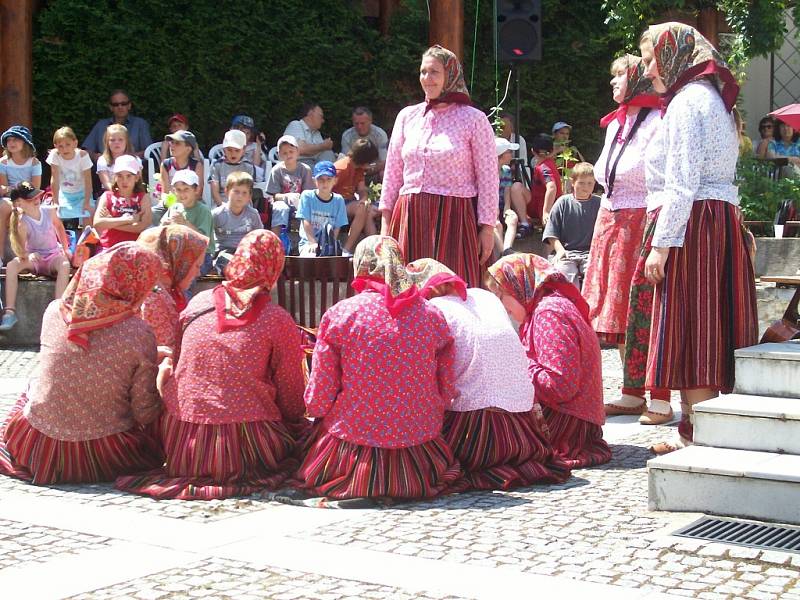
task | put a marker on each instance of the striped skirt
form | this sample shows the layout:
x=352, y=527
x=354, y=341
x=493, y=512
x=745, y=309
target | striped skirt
x=612, y=259
x=29, y=454
x=339, y=469
x=206, y=462
x=578, y=443
x=441, y=227
x=499, y=450
x=705, y=307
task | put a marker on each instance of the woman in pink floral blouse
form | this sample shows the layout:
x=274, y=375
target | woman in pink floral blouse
x=83, y=419
x=237, y=391
x=439, y=196
x=563, y=354
x=378, y=432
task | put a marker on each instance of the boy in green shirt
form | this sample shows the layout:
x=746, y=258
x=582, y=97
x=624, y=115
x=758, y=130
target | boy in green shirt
x=190, y=212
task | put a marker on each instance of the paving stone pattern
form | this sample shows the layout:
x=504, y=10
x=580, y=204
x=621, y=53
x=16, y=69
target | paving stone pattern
x=18, y=362
x=22, y=543
x=226, y=579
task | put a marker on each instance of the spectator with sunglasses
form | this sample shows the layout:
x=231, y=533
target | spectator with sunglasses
x=767, y=131
x=138, y=129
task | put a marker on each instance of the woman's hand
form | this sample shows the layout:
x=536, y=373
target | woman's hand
x=654, y=266
x=164, y=373
x=486, y=242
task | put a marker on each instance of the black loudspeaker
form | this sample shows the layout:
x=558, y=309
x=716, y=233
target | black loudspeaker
x=519, y=30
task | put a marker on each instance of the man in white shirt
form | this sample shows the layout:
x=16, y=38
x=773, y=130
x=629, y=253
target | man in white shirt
x=313, y=148
x=363, y=128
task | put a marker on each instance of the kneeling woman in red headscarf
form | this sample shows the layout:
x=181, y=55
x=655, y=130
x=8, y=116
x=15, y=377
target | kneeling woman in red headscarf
x=563, y=353
x=237, y=390
x=379, y=430
x=83, y=419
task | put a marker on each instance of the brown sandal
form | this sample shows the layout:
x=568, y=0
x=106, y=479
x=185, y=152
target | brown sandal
x=614, y=410
x=656, y=418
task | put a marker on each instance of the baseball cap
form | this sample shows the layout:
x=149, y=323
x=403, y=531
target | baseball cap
x=287, y=139
x=24, y=190
x=187, y=137
x=187, y=176
x=127, y=163
x=234, y=139
x=243, y=121
x=559, y=125
x=324, y=168
x=503, y=145
x=178, y=117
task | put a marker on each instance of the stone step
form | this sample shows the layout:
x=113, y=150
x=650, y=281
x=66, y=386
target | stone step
x=721, y=481
x=769, y=370
x=745, y=422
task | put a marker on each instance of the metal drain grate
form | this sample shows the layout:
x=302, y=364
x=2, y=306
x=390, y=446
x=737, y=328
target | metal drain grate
x=744, y=533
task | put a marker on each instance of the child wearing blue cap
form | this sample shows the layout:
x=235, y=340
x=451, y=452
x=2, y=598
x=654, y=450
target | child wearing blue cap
x=321, y=212
x=252, y=150
x=18, y=164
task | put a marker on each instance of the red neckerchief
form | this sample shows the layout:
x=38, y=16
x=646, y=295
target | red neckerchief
x=452, y=97
x=395, y=304
x=225, y=321
x=621, y=112
x=459, y=286
x=729, y=91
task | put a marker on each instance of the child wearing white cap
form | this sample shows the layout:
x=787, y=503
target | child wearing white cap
x=123, y=212
x=233, y=145
x=192, y=213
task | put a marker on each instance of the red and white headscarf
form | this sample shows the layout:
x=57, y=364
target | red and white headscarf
x=455, y=88
x=379, y=266
x=435, y=279
x=638, y=92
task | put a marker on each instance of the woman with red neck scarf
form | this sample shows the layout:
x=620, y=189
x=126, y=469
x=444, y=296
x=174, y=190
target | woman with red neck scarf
x=563, y=354
x=237, y=391
x=439, y=195
x=620, y=226
x=704, y=304
x=181, y=251
x=83, y=419
x=381, y=380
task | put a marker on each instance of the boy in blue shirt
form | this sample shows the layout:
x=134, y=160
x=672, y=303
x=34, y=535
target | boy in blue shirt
x=321, y=211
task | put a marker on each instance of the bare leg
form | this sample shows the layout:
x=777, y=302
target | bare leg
x=685, y=433
x=358, y=212
x=520, y=196
x=62, y=278
x=512, y=221
x=370, y=227
x=13, y=269
x=5, y=214
x=621, y=348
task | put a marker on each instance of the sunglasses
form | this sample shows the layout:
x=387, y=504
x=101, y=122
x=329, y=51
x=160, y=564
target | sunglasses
x=766, y=127
x=118, y=104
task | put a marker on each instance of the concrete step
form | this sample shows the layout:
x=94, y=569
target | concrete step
x=769, y=370
x=721, y=481
x=745, y=422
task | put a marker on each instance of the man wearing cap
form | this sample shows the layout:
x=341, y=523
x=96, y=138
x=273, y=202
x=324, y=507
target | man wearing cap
x=138, y=128
x=363, y=128
x=232, y=160
x=313, y=148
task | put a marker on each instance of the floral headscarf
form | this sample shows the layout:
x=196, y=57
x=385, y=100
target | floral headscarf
x=254, y=268
x=682, y=54
x=526, y=277
x=179, y=247
x=108, y=288
x=378, y=265
x=455, y=88
x=429, y=274
x=638, y=92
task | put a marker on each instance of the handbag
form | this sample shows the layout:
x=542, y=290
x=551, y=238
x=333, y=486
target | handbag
x=787, y=328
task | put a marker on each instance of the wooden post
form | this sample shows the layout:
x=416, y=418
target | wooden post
x=708, y=25
x=447, y=25
x=16, y=62
x=385, y=11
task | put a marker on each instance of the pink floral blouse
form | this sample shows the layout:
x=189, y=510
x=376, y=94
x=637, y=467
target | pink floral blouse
x=253, y=373
x=89, y=394
x=448, y=151
x=380, y=381
x=159, y=311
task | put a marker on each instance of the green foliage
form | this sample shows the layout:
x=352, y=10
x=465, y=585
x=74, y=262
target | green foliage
x=760, y=196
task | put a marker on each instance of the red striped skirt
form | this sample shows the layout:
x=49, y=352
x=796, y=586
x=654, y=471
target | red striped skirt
x=577, y=442
x=499, y=450
x=339, y=469
x=441, y=227
x=29, y=454
x=206, y=462
x=612, y=259
x=705, y=307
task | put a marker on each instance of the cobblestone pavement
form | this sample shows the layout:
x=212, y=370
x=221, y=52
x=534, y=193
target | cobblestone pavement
x=594, y=528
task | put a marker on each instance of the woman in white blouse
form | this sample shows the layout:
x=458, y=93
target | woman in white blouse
x=704, y=303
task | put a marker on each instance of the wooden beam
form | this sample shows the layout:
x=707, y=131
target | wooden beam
x=708, y=25
x=447, y=25
x=385, y=12
x=16, y=62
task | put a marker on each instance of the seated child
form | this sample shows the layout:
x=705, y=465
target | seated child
x=545, y=180
x=563, y=354
x=116, y=143
x=232, y=161
x=286, y=181
x=182, y=145
x=321, y=212
x=252, y=150
x=514, y=197
x=124, y=211
x=70, y=178
x=40, y=243
x=378, y=430
x=492, y=426
x=177, y=122
x=571, y=225
x=18, y=164
x=192, y=213
x=351, y=184
x=235, y=218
